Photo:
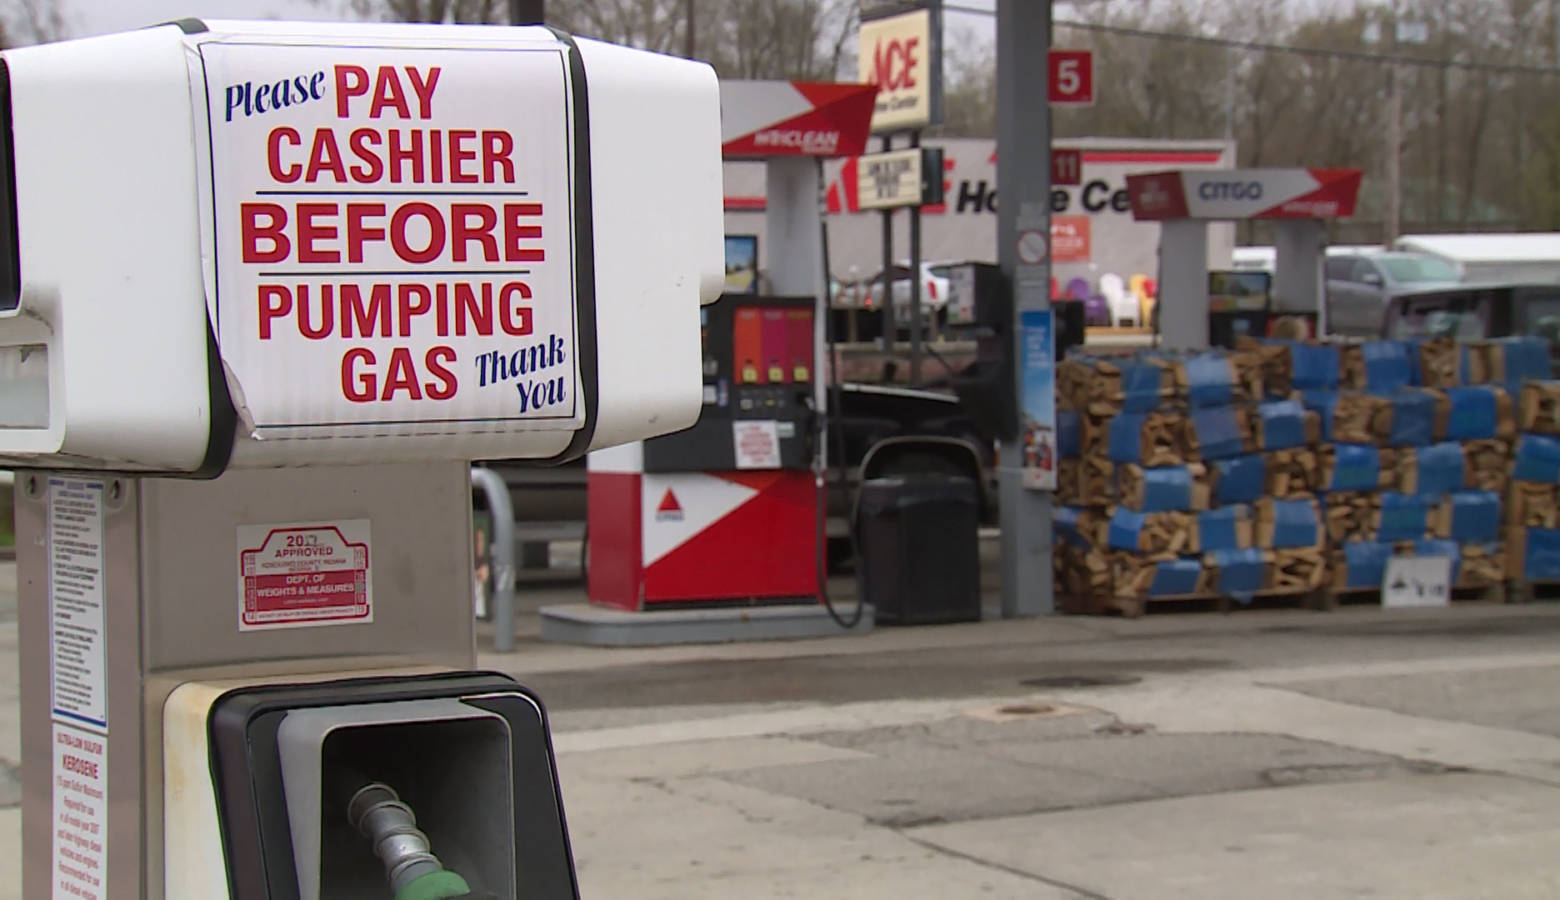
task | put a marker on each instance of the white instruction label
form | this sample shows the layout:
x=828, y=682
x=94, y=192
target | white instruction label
x=76, y=641
x=80, y=813
x=1417, y=581
x=295, y=575
x=757, y=443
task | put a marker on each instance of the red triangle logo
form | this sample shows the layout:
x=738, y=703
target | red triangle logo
x=669, y=508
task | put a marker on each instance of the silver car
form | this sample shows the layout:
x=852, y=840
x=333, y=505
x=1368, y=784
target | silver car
x=1360, y=285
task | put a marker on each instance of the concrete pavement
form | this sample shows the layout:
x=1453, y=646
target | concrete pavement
x=1264, y=753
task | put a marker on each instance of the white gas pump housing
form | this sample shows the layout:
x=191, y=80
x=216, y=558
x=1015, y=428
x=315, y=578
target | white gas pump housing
x=334, y=231
x=266, y=289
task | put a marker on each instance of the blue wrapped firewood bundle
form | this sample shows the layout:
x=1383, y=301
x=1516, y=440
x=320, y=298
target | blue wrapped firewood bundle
x=1314, y=366
x=1533, y=505
x=1102, y=386
x=1162, y=488
x=1069, y=434
x=1225, y=528
x=1282, y=424
x=1238, y=572
x=1284, y=524
x=1402, y=419
x=1538, y=406
x=1293, y=472
x=1149, y=439
x=1479, y=412
x=1380, y=367
x=1535, y=554
x=1473, y=564
x=1506, y=361
x=1218, y=432
x=1537, y=459
x=1150, y=533
x=1402, y=517
x=1467, y=517
x=1385, y=516
x=1158, y=576
x=1323, y=402
x=1360, y=565
x=1238, y=479
x=1356, y=467
x=1433, y=470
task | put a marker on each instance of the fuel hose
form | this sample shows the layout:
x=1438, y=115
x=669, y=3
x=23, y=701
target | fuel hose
x=821, y=433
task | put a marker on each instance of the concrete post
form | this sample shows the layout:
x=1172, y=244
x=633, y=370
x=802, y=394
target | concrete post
x=1024, y=176
x=1183, y=284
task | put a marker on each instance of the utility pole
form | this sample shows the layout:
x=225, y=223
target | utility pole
x=1394, y=137
x=1440, y=114
x=527, y=12
x=688, y=30
x=1023, y=136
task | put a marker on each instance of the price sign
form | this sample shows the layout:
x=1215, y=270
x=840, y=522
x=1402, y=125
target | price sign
x=1066, y=167
x=1070, y=77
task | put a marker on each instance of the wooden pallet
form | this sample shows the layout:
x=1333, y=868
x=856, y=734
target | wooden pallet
x=1332, y=598
x=1521, y=591
x=1135, y=607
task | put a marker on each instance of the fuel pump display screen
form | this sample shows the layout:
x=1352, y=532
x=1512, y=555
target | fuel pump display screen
x=1235, y=291
x=759, y=366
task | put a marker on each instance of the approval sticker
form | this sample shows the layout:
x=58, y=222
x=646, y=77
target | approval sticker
x=304, y=574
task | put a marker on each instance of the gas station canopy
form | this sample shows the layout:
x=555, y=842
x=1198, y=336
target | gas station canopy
x=766, y=119
x=1244, y=194
x=1184, y=201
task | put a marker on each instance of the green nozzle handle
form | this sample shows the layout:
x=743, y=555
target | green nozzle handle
x=441, y=885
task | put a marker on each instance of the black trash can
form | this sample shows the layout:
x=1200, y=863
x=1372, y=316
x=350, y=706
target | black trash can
x=919, y=549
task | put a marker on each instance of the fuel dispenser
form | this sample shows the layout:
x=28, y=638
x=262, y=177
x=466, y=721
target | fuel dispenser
x=265, y=289
x=728, y=514
x=736, y=488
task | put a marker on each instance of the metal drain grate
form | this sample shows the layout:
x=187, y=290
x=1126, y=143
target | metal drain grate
x=1080, y=681
x=1027, y=709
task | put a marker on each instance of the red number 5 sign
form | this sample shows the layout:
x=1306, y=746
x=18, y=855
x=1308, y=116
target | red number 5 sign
x=1070, y=74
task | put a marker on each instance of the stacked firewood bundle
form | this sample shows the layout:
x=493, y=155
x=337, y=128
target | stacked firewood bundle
x=1288, y=466
x=1419, y=454
x=1186, y=475
x=1533, y=498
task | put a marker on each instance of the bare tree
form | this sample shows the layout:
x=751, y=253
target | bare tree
x=804, y=39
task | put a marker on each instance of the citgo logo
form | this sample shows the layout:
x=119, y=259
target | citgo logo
x=669, y=510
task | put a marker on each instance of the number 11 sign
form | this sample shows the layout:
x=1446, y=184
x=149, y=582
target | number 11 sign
x=1070, y=76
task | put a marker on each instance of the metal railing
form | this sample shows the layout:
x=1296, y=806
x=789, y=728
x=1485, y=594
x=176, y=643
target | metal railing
x=501, y=550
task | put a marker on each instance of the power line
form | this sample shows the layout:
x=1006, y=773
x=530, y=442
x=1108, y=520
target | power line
x=1264, y=47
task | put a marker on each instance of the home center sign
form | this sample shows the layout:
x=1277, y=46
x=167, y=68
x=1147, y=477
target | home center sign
x=394, y=248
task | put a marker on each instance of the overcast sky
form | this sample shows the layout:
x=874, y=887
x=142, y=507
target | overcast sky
x=84, y=17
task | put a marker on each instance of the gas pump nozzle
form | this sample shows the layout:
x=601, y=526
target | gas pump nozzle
x=415, y=873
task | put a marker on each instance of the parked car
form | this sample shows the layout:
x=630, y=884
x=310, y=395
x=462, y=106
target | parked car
x=934, y=291
x=1360, y=285
x=1476, y=312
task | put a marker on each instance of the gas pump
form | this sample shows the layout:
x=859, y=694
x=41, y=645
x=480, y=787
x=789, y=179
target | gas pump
x=265, y=289
x=729, y=513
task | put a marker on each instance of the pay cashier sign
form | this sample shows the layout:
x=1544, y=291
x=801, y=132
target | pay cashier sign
x=394, y=237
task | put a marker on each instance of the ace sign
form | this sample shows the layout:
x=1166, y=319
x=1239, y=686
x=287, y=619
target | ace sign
x=1070, y=77
x=902, y=55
